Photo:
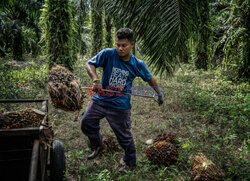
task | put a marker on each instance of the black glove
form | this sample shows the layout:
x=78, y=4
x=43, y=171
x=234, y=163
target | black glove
x=160, y=99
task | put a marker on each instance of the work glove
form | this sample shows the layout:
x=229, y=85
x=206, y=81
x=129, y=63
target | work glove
x=96, y=85
x=160, y=99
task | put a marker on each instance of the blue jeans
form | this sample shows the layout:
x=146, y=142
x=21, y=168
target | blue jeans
x=119, y=121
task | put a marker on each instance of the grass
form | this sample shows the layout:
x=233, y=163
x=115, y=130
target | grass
x=206, y=112
x=26, y=79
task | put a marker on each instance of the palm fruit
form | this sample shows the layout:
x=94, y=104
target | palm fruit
x=111, y=145
x=162, y=153
x=28, y=117
x=65, y=89
x=168, y=138
x=205, y=170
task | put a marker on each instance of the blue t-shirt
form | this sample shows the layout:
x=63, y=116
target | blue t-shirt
x=116, y=74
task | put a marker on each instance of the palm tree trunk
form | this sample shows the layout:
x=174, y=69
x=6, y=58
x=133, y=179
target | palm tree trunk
x=80, y=33
x=96, y=14
x=202, y=57
x=59, y=29
x=184, y=55
x=17, y=45
x=38, y=37
x=2, y=52
x=244, y=70
x=109, y=25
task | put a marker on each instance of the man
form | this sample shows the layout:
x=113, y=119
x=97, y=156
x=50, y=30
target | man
x=120, y=68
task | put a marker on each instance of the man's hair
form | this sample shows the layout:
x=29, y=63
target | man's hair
x=124, y=33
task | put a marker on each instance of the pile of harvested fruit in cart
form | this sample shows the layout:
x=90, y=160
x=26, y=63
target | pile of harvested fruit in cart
x=65, y=89
x=28, y=117
x=164, y=150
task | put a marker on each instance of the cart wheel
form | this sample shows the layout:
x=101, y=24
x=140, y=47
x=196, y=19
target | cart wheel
x=57, y=161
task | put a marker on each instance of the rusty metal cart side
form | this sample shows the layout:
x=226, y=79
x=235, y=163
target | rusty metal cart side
x=24, y=152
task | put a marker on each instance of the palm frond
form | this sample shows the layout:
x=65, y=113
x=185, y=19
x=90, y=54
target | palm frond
x=161, y=27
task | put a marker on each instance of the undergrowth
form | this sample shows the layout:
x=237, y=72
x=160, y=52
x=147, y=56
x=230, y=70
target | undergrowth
x=23, y=80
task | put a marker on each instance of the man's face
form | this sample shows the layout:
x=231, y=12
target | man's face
x=123, y=47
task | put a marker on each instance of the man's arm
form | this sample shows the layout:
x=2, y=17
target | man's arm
x=91, y=69
x=91, y=72
x=152, y=82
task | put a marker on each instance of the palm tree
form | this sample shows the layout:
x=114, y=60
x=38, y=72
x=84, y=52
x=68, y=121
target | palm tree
x=108, y=27
x=57, y=23
x=244, y=14
x=161, y=27
x=2, y=37
x=81, y=14
x=236, y=45
x=15, y=14
x=203, y=33
x=97, y=34
x=32, y=22
x=218, y=17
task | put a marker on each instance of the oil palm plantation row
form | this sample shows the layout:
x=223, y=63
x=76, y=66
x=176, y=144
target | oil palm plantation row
x=207, y=33
x=14, y=16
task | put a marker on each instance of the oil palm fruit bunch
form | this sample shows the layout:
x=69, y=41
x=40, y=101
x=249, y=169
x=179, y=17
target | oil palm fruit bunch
x=111, y=145
x=205, y=170
x=168, y=138
x=28, y=117
x=164, y=150
x=65, y=89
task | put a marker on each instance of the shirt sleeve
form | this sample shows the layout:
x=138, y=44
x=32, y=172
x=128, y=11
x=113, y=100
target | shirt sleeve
x=143, y=72
x=99, y=60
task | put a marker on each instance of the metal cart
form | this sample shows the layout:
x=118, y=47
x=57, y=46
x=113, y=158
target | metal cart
x=29, y=153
